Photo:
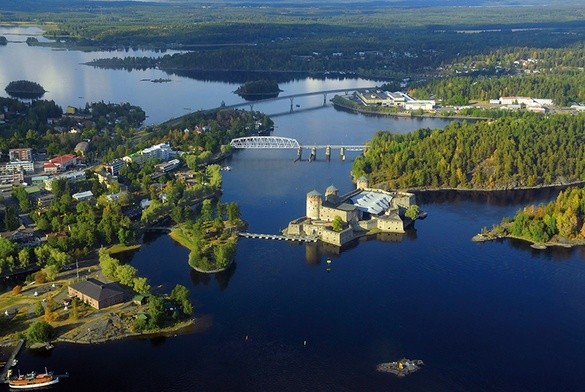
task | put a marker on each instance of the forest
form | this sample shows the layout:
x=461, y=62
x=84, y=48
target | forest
x=371, y=39
x=523, y=150
x=553, y=73
x=560, y=220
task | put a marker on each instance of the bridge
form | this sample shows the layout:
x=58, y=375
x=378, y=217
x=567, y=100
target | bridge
x=278, y=142
x=291, y=97
x=278, y=237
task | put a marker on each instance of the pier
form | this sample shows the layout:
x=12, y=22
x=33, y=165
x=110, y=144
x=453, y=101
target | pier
x=278, y=237
x=11, y=359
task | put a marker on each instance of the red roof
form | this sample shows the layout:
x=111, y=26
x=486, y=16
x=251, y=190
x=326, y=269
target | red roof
x=62, y=159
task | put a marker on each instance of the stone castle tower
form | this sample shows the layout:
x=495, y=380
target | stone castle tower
x=362, y=183
x=314, y=200
x=331, y=192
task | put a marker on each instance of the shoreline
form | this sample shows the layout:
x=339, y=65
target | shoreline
x=174, y=330
x=479, y=238
x=521, y=188
x=409, y=115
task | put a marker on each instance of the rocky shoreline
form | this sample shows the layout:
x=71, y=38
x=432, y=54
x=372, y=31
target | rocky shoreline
x=535, y=245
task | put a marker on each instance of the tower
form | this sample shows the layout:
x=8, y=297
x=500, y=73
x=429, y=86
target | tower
x=362, y=183
x=314, y=200
x=330, y=192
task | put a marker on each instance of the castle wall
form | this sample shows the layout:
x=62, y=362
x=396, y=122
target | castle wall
x=337, y=238
x=328, y=214
x=391, y=224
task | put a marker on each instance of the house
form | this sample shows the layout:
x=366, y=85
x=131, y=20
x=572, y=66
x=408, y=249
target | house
x=97, y=294
x=63, y=162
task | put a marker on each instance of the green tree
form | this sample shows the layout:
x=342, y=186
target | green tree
x=39, y=310
x=125, y=274
x=156, y=312
x=412, y=212
x=337, y=224
x=141, y=285
x=38, y=332
x=180, y=295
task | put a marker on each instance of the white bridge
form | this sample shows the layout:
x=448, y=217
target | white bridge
x=278, y=142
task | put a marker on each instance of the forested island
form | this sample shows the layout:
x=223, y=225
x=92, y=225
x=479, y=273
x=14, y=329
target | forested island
x=25, y=89
x=518, y=151
x=258, y=89
x=560, y=222
x=211, y=238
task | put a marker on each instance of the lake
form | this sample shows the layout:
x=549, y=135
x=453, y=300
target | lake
x=490, y=316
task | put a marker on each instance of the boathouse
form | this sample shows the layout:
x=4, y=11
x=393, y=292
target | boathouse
x=97, y=294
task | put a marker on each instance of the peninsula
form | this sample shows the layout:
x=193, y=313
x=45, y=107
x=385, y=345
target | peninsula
x=558, y=223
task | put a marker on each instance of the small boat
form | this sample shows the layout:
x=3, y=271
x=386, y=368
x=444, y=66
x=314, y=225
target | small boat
x=32, y=380
x=226, y=168
x=328, y=261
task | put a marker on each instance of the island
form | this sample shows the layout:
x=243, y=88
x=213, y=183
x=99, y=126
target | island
x=211, y=239
x=339, y=219
x=558, y=223
x=258, y=89
x=25, y=89
x=401, y=368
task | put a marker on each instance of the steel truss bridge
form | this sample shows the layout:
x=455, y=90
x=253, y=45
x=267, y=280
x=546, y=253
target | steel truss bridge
x=278, y=142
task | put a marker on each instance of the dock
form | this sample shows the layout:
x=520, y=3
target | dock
x=11, y=359
x=278, y=237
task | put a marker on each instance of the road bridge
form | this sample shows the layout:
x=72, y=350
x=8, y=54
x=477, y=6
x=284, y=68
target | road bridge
x=290, y=97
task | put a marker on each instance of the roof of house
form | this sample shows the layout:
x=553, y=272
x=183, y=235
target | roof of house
x=96, y=290
x=313, y=193
x=62, y=159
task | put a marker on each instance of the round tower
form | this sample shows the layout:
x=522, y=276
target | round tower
x=362, y=183
x=314, y=201
x=330, y=191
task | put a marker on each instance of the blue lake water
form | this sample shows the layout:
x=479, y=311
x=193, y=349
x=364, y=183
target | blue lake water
x=497, y=316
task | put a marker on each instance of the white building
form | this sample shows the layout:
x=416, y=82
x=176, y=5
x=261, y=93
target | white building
x=27, y=166
x=80, y=196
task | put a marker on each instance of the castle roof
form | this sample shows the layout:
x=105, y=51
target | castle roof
x=313, y=193
x=372, y=202
x=363, y=178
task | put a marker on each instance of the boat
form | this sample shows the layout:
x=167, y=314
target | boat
x=32, y=380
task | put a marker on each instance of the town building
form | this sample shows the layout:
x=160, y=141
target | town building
x=27, y=166
x=166, y=167
x=72, y=177
x=97, y=294
x=11, y=177
x=394, y=99
x=20, y=154
x=114, y=166
x=81, y=196
x=64, y=162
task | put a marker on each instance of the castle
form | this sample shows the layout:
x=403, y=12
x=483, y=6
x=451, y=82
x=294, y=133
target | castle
x=361, y=211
